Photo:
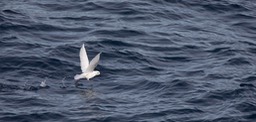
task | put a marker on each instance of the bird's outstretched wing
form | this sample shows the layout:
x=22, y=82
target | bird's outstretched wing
x=94, y=62
x=84, y=61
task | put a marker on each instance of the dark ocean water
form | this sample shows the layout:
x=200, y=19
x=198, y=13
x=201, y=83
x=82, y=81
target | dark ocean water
x=162, y=60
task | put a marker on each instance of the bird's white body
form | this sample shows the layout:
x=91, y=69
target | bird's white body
x=86, y=67
x=88, y=76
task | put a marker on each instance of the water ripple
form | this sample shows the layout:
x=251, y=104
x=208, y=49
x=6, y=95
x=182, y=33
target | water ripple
x=162, y=60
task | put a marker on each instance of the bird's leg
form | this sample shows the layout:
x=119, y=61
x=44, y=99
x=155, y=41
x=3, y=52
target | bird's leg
x=77, y=84
x=91, y=87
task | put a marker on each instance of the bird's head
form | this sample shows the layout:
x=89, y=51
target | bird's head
x=97, y=72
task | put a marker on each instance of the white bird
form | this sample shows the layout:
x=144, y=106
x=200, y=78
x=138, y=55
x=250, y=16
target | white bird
x=86, y=67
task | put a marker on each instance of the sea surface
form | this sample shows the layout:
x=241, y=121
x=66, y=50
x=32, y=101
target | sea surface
x=161, y=61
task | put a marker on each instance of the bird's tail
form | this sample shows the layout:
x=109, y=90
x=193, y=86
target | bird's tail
x=77, y=77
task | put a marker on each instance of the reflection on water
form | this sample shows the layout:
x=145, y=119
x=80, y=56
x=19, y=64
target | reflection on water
x=88, y=93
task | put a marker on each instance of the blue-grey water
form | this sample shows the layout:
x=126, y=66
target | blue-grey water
x=161, y=61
